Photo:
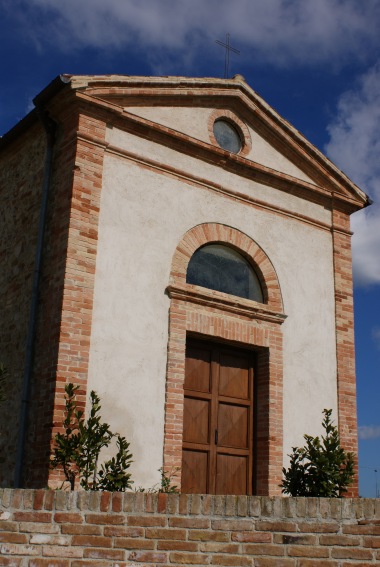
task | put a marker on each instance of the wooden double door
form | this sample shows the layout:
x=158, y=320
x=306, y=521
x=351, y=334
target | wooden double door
x=217, y=455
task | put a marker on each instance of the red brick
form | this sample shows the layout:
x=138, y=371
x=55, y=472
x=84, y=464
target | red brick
x=19, y=549
x=67, y=518
x=60, y=551
x=196, y=523
x=314, y=527
x=42, y=562
x=233, y=525
x=105, y=500
x=339, y=540
x=10, y=562
x=29, y=527
x=80, y=529
x=233, y=560
x=361, y=530
x=219, y=547
x=117, y=502
x=187, y=558
x=263, y=549
x=108, y=519
x=321, y=563
x=165, y=533
x=254, y=537
x=167, y=545
x=144, y=521
x=275, y=562
x=134, y=543
x=372, y=542
x=147, y=556
x=276, y=526
x=38, y=499
x=44, y=517
x=351, y=553
x=9, y=526
x=96, y=541
x=12, y=537
x=307, y=551
x=114, y=554
x=207, y=535
x=122, y=531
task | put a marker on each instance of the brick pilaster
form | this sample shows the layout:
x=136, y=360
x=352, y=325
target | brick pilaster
x=345, y=343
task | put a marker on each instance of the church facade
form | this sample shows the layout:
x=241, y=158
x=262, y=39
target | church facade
x=194, y=269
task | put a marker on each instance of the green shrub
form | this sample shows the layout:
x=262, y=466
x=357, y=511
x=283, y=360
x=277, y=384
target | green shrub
x=320, y=468
x=165, y=485
x=77, y=450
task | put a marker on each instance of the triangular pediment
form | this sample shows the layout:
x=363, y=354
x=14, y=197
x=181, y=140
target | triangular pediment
x=185, y=109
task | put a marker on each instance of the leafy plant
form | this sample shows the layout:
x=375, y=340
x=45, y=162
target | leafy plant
x=3, y=377
x=166, y=481
x=77, y=450
x=320, y=468
x=165, y=485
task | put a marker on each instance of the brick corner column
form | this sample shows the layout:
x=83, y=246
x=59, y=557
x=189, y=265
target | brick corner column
x=345, y=342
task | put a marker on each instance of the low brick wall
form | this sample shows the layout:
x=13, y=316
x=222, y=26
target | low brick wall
x=41, y=528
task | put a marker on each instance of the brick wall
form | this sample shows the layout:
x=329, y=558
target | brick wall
x=58, y=529
x=21, y=176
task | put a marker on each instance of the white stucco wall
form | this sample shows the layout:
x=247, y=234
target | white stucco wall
x=194, y=122
x=144, y=214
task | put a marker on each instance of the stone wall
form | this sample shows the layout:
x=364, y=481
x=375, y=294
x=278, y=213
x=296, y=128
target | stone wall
x=58, y=529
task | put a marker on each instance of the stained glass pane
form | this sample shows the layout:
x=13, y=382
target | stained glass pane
x=219, y=267
x=227, y=136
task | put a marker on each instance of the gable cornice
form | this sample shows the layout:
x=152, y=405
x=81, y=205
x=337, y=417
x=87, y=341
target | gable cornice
x=119, y=117
x=234, y=94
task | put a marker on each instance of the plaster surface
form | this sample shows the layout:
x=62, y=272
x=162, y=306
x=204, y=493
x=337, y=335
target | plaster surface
x=189, y=166
x=144, y=214
x=194, y=122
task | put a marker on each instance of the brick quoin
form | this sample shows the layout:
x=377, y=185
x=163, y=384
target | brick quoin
x=65, y=314
x=345, y=341
x=215, y=317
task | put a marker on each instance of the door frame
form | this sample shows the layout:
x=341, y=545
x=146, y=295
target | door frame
x=214, y=315
x=216, y=349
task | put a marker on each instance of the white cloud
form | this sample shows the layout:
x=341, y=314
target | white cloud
x=369, y=431
x=355, y=147
x=279, y=31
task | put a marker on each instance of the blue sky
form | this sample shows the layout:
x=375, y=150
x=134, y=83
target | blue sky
x=317, y=62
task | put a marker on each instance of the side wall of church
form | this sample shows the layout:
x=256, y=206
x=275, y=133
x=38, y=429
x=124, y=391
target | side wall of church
x=145, y=210
x=21, y=176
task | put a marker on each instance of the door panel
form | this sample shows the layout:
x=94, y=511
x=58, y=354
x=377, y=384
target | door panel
x=194, y=472
x=196, y=421
x=198, y=369
x=233, y=430
x=231, y=474
x=218, y=420
x=234, y=376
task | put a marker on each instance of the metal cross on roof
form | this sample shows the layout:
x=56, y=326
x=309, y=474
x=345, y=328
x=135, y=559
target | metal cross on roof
x=228, y=49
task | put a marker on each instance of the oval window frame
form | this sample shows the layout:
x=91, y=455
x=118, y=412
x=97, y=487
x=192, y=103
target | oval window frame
x=237, y=123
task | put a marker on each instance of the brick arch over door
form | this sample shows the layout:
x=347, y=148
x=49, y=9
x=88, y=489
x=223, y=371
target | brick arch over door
x=216, y=316
x=214, y=232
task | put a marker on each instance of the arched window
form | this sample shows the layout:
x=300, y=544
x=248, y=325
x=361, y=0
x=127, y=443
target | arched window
x=220, y=267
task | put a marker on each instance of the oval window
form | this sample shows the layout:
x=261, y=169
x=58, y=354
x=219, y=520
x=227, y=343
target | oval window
x=219, y=267
x=227, y=136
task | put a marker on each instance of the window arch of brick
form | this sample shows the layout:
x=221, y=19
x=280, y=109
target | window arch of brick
x=219, y=233
x=213, y=315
